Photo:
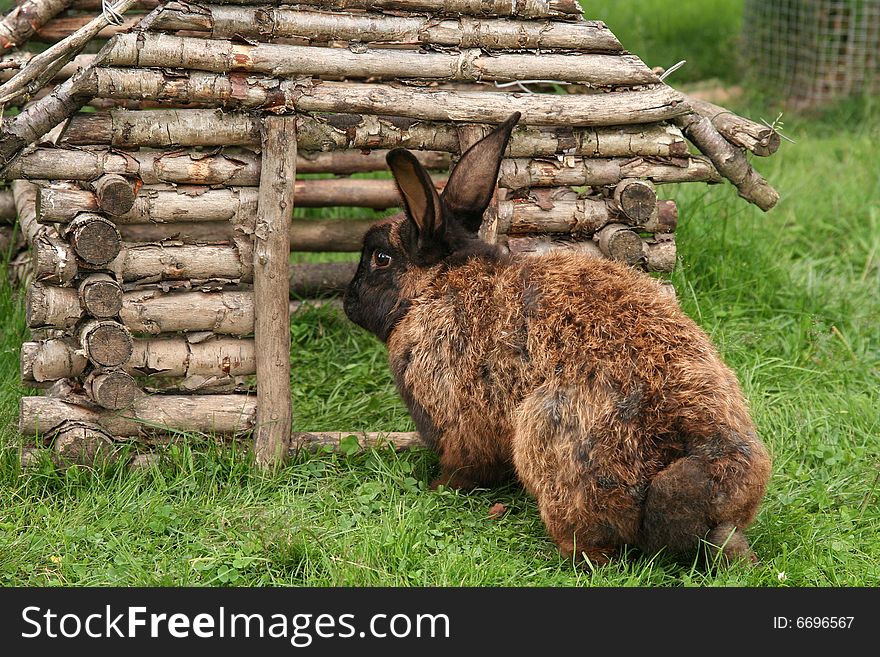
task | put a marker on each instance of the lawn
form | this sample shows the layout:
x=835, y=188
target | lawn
x=791, y=298
x=663, y=33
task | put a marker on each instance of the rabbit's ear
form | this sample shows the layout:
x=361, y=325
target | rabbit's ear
x=419, y=195
x=472, y=183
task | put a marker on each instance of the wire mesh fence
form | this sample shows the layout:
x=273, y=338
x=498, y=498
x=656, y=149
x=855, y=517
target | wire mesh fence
x=809, y=52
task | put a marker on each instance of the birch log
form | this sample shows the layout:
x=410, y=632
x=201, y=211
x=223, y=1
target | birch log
x=660, y=254
x=729, y=161
x=24, y=195
x=657, y=255
x=91, y=5
x=151, y=414
x=51, y=258
x=58, y=358
x=560, y=9
x=285, y=61
x=564, y=9
x=305, y=234
x=228, y=22
x=239, y=90
x=619, y=242
x=62, y=204
x=359, y=161
x=53, y=261
x=106, y=343
x=149, y=262
x=197, y=127
x=94, y=239
x=182, y=357
x=237, y=205
x=521, y=173
x=62, y=307
x=112, y=389
x=81, y=443
x=314, y=440
x=760, y=139
x=100, y=296
x=66, y=71
x=50, y=360
x=20, y=24
x=636, y=199
x=153, y=311
x=577, y=217
x=114, y=194
x=271, y=268
x=151, y=168
x=52, y=306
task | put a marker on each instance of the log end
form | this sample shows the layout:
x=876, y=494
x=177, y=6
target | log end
x=636, y=200
x=116, y=195
x=667, y=217
x=618, y=242
x=101, y=296
x=81, y=443
x=114, y=390
x=107, y=343
x=53, y=261
x=94, y=239
x=35, y=307
x=661, y=255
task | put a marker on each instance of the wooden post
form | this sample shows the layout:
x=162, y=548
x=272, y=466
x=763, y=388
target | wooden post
x=271, y=271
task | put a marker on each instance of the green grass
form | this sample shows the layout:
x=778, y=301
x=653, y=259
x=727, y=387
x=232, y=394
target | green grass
x=662, y=33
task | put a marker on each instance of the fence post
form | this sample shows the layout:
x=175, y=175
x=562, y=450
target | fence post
x=271, y=303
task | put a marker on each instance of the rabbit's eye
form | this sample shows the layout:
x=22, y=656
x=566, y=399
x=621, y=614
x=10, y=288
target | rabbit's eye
x=381, y=259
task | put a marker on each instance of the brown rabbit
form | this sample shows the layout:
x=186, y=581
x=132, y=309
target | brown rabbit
x=576, y=374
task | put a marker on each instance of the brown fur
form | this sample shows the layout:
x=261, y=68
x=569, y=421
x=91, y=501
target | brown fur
x=583, y=379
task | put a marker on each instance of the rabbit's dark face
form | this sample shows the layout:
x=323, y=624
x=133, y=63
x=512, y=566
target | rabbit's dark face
x=401, y=252
x=373, y=298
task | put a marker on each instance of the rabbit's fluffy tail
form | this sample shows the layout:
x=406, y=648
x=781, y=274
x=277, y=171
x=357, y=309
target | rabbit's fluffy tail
x=698, y=498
